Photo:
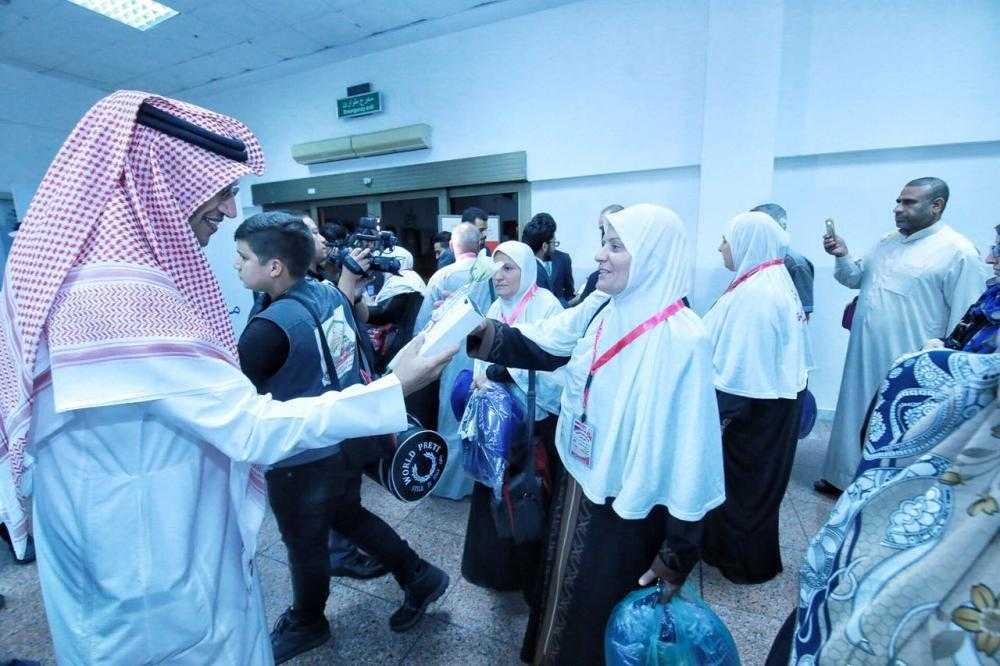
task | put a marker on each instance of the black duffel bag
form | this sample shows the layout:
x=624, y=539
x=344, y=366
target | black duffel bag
x=408, y=464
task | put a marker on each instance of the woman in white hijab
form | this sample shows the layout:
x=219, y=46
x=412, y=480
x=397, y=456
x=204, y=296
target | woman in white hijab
x=637, y=433
x=488, y=559
x=758, y=328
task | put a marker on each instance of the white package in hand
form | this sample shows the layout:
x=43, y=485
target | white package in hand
x=452, y=328
x=458, y=319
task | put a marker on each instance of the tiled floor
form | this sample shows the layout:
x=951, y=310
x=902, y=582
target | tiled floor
x=468, y=625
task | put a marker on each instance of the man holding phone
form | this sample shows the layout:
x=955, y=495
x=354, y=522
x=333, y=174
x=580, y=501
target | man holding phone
x=915, y=284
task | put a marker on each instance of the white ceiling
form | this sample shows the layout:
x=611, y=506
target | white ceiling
x=216, y=44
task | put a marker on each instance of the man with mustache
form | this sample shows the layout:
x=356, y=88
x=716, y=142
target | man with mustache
x=916, y=283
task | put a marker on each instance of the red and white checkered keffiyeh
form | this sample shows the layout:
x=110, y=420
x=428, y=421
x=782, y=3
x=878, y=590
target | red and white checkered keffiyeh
x=119, y=195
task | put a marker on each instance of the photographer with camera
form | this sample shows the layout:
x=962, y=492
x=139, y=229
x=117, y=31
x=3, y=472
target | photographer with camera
x=395, y=309
x=369, y=237
x=318, y=490
x=388, y=296
x=345, y=558
x=386, y=291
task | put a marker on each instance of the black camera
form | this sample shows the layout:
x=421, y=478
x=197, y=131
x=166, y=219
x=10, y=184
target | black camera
x=367, y=235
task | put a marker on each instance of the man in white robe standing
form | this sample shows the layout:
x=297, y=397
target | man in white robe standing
x=465, y=244
x=123, y=411
x=916, y=283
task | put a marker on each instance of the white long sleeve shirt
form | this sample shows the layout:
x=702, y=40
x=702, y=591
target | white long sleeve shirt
x=137, y=514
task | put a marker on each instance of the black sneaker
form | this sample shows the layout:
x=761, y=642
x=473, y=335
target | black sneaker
x=824, y=487
x=425, y=589
x=29, y=551
x=359, y=566
x=291, y=636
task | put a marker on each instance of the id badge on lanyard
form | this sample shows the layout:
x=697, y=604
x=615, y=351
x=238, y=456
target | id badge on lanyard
x=582, y=438
x=581, y=443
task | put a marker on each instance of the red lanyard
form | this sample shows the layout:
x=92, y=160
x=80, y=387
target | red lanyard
x=753, y=271
x=633, y=335
x=520, y=306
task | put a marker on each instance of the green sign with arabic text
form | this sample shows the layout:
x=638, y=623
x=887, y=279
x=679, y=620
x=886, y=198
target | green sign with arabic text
x=359, y=105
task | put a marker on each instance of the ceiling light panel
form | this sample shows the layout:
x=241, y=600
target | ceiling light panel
x=138, y=14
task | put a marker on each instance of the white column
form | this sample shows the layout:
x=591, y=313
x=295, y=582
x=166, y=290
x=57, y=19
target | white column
x=743, y=73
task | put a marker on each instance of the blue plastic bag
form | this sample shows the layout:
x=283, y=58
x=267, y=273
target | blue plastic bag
x=461, y=390
x=491, y=429
x=684, y=632
x=808, y=418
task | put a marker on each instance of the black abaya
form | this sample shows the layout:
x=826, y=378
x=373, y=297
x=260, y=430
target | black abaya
x=495, y=562
x=758, y=440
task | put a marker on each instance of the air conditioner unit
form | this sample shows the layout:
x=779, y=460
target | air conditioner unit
x=398, y=140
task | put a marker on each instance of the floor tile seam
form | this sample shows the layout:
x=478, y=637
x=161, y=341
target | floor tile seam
x=758, y=616
x=515, y=642
x=434, y=529
x=273, y=559
x=798, y=517
x=352, y=588
x=420, y=637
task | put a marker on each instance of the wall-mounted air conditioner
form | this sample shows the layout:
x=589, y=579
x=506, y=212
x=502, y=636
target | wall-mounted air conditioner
x=398, y=140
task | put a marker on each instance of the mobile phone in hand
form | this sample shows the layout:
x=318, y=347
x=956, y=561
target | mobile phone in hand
x=831, y=231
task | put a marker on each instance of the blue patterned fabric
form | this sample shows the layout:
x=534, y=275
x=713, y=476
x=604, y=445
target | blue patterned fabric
x=890, y=520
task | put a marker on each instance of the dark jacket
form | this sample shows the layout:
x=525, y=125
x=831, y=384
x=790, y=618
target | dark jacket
x=280, y=353
x=561, y=279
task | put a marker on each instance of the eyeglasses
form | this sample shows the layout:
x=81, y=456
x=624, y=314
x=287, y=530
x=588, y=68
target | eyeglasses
x=553, y=243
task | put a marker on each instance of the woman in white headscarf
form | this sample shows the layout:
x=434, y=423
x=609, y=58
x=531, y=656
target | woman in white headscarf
x=758, y=329
x=394, y=311
x=637, y=433
x=488, y=559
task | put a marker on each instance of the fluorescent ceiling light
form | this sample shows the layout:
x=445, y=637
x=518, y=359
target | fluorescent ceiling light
x=139, y=14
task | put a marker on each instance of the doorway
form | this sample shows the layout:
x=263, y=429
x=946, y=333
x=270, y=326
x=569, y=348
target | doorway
x=414, y=216
x=503, y=205
x=346, y=214
x=414, y=221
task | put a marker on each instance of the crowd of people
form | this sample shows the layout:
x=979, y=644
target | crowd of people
x=141, y=438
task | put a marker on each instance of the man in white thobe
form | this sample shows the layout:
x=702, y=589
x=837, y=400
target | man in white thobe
x=122, y=407
x=916, y=283
x=465, y=244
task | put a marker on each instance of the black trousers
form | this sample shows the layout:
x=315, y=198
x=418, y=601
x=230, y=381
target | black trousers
x=311, y=499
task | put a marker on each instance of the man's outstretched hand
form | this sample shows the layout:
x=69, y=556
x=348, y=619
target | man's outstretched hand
x=414, y=371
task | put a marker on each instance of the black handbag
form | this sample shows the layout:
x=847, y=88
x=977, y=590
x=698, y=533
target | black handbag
x=528, y=485
x=847, y=320
x=524, y=495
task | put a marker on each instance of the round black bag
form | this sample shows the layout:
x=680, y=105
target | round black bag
x=411, y=463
